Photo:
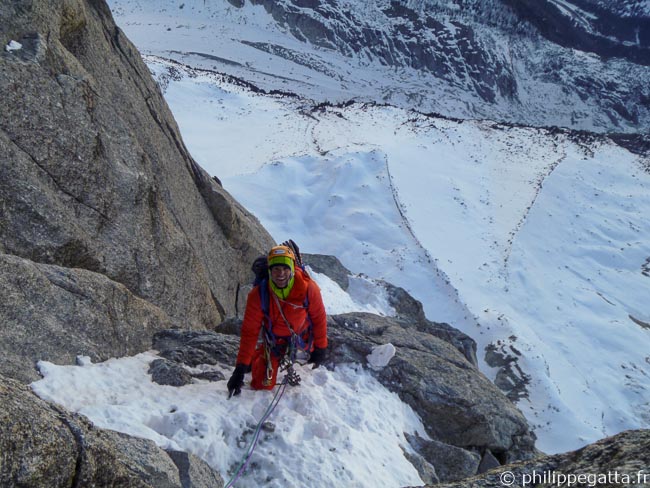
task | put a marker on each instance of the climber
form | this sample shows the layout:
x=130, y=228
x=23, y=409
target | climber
x=287, y=304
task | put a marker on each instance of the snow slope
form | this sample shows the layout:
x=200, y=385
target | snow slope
x=332, y=430
x=528, y=239
x=474, y=51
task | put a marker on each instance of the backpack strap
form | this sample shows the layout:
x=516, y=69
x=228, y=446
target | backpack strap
x=310, y=327
x=270, y=339
x=263, y=287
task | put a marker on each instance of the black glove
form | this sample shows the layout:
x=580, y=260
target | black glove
x=236, y=381
x=317, y=357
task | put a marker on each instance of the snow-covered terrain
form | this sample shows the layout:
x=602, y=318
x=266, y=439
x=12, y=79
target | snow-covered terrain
x=465, y=58
x=338, y=428
x=532, y=241
x=520, y=237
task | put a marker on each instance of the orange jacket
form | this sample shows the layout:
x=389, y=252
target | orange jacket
x=294, y=311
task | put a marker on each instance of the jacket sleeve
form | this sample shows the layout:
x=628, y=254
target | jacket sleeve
x=250, y=328
x=317, y=315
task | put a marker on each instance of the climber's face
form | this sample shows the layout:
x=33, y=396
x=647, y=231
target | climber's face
x=281, y=275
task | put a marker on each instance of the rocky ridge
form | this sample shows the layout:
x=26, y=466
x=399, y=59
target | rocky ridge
x=620, y=460
x=96, y=180
x=109, y=231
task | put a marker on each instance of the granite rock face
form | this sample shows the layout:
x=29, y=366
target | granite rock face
x=94, y=177
x=46, y=446
x=53, y=313
x=109, y=232
x=458, y=405
x=620, y=460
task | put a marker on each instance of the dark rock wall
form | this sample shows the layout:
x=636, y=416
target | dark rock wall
x=94, y=175
x=492, y=50
x=620, y=460
x=597, y=30
x=407, y=38
x=45, y=446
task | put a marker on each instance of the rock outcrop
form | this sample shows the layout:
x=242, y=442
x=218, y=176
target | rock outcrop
x=458, y=405
x=620, y=460
x=55, y=313
x=330, y=266
x=95, y=179
x=469, y=419
x=109, y=231
x=46, y=446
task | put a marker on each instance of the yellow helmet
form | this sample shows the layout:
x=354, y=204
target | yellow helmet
x=281, y=255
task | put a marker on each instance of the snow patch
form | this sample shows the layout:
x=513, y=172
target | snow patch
x=338, y=428
x=381, y=356
x=363, y=295
x=13, y=46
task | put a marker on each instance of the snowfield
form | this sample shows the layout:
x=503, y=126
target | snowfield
x=531, y=239
x=338, y=428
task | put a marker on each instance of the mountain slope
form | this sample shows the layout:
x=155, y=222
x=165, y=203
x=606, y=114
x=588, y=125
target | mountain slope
x=501, y=60
x=532, y=241
x=98, y=191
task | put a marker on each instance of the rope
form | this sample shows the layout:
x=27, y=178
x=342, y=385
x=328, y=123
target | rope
x=251, y=447
x=284, y=317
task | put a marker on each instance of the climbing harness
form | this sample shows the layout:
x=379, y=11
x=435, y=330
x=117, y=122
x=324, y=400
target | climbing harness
x=285, y=348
